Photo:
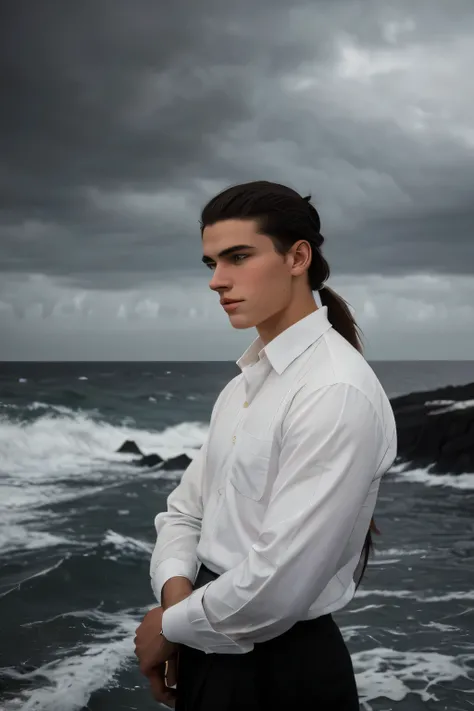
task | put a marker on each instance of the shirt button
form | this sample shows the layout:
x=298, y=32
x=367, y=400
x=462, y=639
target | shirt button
x=246, y=404
x=233, y=439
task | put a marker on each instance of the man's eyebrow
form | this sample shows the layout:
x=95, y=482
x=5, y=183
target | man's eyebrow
x=229, y=250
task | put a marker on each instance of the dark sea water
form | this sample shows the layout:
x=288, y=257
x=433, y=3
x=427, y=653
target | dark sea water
x=76, y=535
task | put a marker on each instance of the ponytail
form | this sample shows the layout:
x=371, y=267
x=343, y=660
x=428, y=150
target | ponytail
x=344, y=323
x=340, y=317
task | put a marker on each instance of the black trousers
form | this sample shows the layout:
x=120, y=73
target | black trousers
x=308, y=667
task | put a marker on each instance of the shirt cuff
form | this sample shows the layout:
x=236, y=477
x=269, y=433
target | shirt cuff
x=171, y=568
x=186, y=623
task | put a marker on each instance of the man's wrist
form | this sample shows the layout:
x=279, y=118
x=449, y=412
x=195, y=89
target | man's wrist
x=175, y=590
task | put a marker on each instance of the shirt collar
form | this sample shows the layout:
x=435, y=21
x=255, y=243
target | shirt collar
x=289, y=344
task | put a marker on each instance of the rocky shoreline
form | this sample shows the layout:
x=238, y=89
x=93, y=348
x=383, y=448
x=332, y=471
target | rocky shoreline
x=435, y=429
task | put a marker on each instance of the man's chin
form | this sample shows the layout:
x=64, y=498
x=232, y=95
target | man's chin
x=240, y=322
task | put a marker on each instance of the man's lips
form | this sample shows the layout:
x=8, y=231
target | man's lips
x=230, y=305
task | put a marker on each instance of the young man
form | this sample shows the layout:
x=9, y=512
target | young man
x=261, y=539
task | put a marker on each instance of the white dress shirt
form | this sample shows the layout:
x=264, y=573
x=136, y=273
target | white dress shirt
x=279, y=499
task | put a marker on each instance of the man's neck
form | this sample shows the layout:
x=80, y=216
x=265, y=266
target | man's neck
x=270, y=329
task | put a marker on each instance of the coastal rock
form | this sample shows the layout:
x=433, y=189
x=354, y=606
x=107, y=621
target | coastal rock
x=152, y=460
x=436, y=429
x=129, y=447
x=177, y=463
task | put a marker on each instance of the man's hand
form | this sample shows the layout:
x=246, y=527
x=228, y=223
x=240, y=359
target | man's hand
x=152, y=648
x=161, y=679
x=157, y=656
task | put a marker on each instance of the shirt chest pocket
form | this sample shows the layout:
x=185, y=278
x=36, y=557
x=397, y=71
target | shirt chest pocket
x=249, y=472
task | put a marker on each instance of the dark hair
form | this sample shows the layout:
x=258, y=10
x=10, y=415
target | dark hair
x=284, y=216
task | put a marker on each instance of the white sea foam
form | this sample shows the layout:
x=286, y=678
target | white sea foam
x=439, y=403
x=66, y=683
x=60, y=409
x=128, y=544
x=392, y=674
x=364, y=608
x=439, y=626
x=18, y=497
x=377, y=559
x=14, y=537
x=412, y=595
x=38, y=574
x=72, y=442
x=449, y=405
x=390, y=556
x=400, y=551
x=67, y=455
x=350, y=632
x=424, y=476
x=23, y=516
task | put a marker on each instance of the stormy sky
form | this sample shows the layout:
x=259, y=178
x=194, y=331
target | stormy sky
x=119, y=119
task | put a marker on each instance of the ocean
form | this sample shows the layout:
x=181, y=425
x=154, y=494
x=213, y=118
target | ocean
x=76, y=536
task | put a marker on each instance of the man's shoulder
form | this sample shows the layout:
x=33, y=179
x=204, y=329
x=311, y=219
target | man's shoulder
x=345, y=367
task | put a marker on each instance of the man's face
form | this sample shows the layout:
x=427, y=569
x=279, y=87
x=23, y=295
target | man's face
x=256, y=274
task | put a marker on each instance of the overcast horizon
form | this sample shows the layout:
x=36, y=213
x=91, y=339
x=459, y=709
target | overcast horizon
x=119, y=121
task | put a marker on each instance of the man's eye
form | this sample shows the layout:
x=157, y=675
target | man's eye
x=238, y=257
x=235, y=257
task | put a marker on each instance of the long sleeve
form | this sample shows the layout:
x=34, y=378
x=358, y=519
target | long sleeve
x=178, y=528
x=333, y=448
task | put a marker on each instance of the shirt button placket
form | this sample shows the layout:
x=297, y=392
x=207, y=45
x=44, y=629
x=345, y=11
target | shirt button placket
x=245, y=405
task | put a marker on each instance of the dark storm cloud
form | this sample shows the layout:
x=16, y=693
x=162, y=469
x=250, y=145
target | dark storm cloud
x=118, y=119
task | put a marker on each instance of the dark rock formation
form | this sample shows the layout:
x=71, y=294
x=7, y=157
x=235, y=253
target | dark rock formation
x=434, y=429
x=177, y=463
x=152, y=460
x=130, y=447
x=437, y=428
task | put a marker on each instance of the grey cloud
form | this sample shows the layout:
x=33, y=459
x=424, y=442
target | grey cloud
x=103, y=102
x=400, y=318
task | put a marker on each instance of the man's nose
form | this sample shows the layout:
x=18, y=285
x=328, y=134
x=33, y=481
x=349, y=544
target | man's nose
x=220, y=279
